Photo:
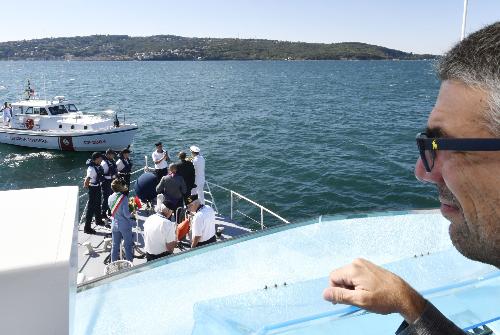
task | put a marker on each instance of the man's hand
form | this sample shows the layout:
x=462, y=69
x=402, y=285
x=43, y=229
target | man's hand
x=86, y=182
x=370, y=287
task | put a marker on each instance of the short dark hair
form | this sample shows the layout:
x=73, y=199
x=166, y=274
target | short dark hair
x=475, y=61
x=182, y=155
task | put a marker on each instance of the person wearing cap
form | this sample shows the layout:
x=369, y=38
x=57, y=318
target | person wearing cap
x=92, y=182
x=185, y=169
x=110, y=172
x=173, y=187
x=124, y=166
x=199, y=168
x=202, y=223
x=161, y=160
x=121, y=222
x=160, y=236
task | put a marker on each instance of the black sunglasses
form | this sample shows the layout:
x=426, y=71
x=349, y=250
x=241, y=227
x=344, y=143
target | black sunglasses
x=428, y=146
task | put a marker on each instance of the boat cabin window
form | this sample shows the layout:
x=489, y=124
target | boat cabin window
x=43, y=111
x=71, y=108
x=56, y=110
x=29, y=110
x=36, y=110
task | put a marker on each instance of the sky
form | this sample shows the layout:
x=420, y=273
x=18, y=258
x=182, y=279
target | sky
x=419, y=26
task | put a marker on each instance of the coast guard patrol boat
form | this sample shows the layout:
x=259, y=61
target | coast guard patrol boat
x=59, y=125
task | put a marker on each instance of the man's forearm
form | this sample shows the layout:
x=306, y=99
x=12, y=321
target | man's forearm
x=195, y=241
x=159, y=187
x=86, y=182
x=431, y=322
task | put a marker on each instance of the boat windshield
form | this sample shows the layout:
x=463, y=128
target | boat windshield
x=71, y=108
x=60, y=109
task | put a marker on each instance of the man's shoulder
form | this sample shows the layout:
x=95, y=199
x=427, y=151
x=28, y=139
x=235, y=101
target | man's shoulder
x=178, y=178
x=207, y=210
x=113, y=196
x=152, y=219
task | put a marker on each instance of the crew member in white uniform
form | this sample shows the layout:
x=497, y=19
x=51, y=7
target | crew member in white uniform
x=199, y=172
x=202, y=223
x=160, y=236
x=6, y=114
x=124, y=166
x=110, y=171
x=92, y=182
x=161, y=160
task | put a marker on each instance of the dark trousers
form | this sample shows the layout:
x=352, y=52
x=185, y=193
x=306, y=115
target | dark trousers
x=150, y=257
x=210, y=240
x=93, y=207
x=161, y=173
x=106, y=192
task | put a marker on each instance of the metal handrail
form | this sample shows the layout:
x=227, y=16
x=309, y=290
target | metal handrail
x=262, y=208
x=212, y=200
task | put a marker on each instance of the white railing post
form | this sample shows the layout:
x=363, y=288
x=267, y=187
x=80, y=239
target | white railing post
x=261, y=218
x=231, y=205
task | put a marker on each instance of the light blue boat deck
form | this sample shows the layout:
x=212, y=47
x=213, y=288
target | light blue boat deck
x=219, y=289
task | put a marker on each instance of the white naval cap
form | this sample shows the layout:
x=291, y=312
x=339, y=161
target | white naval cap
x=194, y=148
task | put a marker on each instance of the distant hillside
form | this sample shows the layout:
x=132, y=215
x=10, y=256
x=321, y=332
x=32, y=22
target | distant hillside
x=169, y=47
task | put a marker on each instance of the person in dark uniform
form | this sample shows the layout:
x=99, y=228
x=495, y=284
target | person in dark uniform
x=92, y=182
x=185, y=169
x=124, y=166
x=173, y=187
x=110, y=172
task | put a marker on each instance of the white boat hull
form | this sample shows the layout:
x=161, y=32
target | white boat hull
x=115, y=138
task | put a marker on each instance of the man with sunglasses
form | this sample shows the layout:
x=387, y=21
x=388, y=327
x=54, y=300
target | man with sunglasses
x=460, y=154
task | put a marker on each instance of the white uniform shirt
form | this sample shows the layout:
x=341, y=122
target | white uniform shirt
x=158, y=231
x=119, y=165
x=204, y=223
x=92, y=174
x=199, y=169
x=105, y=167
x=7, y=114
x=157, y=156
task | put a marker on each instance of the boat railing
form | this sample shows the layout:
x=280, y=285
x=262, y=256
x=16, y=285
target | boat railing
x=210, y=199
x=235, y=195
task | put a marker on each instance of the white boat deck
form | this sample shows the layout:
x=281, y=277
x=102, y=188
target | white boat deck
x=221, y=289
x=91, y=265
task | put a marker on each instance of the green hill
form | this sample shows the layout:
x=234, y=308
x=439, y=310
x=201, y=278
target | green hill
x=170, y=47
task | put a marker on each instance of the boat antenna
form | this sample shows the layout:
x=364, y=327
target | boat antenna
x=464, y=20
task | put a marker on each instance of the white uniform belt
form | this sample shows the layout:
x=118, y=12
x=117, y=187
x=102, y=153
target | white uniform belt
x=108, y=177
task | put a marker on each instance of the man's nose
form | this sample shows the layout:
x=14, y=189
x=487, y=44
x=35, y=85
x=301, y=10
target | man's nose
x=430, y=177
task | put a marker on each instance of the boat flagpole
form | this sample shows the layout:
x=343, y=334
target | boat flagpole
x=464, y=20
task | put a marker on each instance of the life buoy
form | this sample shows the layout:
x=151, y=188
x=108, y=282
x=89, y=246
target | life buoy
x=182, y=229
x=29, y=123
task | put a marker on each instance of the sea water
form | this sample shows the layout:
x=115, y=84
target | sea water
x=303, y=138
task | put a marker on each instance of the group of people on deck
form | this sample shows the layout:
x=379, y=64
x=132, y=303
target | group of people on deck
x=108, y=182
x=102, y=170
x=178, y=180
